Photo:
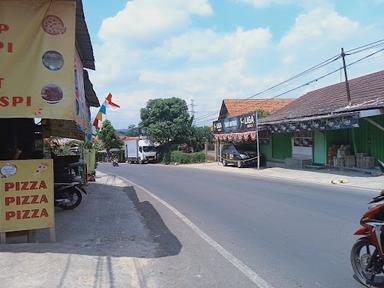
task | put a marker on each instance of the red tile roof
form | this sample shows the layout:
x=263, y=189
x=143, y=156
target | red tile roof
x=367, y=92
x=235, y=107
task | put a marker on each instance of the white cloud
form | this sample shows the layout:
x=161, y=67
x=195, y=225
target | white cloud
x=150, y=50
x=317, y=26
x=200, y=45
x=264, y=3
x=147, y=19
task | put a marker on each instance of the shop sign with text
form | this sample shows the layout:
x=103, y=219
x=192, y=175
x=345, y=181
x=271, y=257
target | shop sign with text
x=37, y=48
x=242, y=123
x=26, y=195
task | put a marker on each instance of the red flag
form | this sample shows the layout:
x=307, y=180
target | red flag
x=108, y=100
x=96, y=123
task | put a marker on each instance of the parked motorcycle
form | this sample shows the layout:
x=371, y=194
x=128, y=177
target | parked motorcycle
x=68, y=185
x=367, y=254
x=115, y=163
x=68, y=195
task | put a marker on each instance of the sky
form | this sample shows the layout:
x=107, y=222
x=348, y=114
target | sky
x=209, y=50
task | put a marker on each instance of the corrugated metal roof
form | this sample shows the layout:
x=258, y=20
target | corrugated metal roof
x=235, y=107
x=83, y=40
x=367, y=92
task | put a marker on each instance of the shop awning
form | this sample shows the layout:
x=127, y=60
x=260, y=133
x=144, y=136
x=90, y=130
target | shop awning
x=242, y=136
x=90, y=94
x=320, y=123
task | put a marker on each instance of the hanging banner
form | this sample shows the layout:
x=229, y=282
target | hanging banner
x=37, y=48
x=26, y=195
x=241, y=123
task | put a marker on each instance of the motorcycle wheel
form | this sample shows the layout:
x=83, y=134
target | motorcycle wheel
x=364, y=252
x=74, y=196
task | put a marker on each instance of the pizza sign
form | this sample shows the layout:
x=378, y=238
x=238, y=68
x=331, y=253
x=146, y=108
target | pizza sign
x=37, y=44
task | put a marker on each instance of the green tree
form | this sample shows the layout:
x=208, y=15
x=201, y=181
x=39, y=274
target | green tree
x=166, y=121
x=262, y=113
x=108, y=135
x=133, y=131
x=200, y=136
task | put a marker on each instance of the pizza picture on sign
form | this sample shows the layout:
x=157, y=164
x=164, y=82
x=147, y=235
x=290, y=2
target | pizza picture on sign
x=40, y=168
x=53, y=25
x=52, y=93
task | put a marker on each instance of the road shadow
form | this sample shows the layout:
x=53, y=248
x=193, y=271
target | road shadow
x=106, y=223
x=167, y=241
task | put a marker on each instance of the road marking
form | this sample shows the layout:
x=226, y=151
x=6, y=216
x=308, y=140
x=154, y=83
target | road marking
x=248, y=272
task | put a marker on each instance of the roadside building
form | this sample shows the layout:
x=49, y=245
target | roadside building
x=237, y=124
x=236, y=107
x=45, y=91
x=322, y=128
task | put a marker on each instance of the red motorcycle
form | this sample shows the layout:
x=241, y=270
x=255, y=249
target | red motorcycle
x=367, y=254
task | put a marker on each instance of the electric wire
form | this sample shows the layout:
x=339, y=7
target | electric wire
x=311, y=69
x=365, y=47
x=206, y=117
x=323, y=76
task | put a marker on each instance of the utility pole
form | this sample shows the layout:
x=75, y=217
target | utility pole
x=346, y=78
x=192, y=110
x=257, y=141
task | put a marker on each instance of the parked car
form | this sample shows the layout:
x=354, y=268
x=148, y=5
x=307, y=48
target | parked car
x=238, y=154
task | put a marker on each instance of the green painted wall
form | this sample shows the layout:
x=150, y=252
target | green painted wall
x=281, y=146
x=339, y=137
x=320, y=148
x=266, y=151
x=369, y=139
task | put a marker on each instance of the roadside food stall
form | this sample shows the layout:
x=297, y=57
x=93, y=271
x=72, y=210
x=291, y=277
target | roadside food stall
x=44, y=46
x=242, y=128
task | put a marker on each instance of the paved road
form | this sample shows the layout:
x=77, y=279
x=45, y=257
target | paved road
x=292, y=234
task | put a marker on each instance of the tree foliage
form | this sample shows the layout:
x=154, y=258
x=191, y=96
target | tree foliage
x=166, y=121
x=262, y=113
x=108, y=135
x=133, y=131
x=200, y=136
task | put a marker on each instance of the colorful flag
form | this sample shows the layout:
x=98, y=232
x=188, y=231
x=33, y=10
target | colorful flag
x=96, y=123
x=103, y=109
x=108, y=100
x=99, y=116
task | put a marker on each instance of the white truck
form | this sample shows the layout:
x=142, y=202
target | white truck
x=140, y=150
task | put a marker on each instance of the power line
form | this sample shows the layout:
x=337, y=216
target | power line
x=325, y=75
x=207, y=115
x=205, y=118
x=322, y=64
x=365, y=57
x=365, y=47
x=313, y=68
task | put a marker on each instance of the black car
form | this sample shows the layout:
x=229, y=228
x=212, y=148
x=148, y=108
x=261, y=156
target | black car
x=240, y=154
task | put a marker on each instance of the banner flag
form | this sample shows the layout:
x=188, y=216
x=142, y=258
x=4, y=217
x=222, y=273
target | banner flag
x=96, y=123
x=103, y=109
x=99, y=116
x=108, y=100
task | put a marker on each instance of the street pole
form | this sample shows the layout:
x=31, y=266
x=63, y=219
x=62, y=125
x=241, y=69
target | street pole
x=257, y=142
x=346, y=78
